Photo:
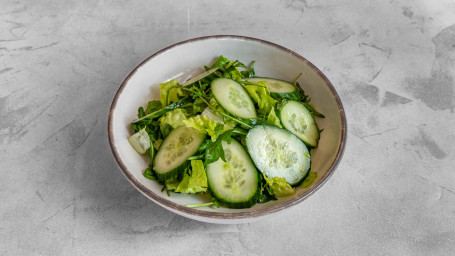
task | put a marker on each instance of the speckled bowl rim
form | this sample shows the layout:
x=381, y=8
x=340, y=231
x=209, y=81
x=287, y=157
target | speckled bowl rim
x=223, y=215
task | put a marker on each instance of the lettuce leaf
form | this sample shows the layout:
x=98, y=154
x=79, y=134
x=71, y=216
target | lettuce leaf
x=279, y=186
x=195, y=183
x=172, y=185
x=174, y=118
x=206, y=125
x=272, y=119
x=170, y=92
x=260, y=94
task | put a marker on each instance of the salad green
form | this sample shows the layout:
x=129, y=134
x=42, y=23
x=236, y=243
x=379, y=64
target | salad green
x=226, y=132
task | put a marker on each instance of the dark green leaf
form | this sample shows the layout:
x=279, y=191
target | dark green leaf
x=153, y=106
x=220, y=62
x=313, y=110
x=214, y=149
x=149, y=174
x=140, y=112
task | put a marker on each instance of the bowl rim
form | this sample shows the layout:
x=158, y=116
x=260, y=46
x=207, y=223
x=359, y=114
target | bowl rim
x=225, y=215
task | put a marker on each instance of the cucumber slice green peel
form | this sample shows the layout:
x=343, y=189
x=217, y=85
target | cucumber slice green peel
x=279, y=89
x=296, y=118
x=171, y=159
x=234, y=183
x=276, y=152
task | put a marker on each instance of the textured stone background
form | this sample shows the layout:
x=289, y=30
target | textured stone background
x=393, y=63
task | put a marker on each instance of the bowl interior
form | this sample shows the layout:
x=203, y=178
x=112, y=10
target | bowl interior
x=186, y=59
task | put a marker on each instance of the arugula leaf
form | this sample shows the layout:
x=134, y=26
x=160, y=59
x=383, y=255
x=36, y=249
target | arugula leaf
x=152, y=106
x=140, y=112
x=313, y=110
x=198, y=106
x=214, y=202
x=306, y=101
x=249, y=73
x=220, y=62
x=147, y=118
x=149, y=174
x=214, y=149
x=230, y=69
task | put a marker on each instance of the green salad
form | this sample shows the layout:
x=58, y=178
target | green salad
x=243, y=139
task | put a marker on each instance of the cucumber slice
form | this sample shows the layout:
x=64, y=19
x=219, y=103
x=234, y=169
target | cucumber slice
x=235, y=183
x=233, y=98
x=171, y=158
x=279, y=89
x=278, y=153
x=298, y=119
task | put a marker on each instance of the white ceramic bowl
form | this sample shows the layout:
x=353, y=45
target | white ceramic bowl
x=186, y=59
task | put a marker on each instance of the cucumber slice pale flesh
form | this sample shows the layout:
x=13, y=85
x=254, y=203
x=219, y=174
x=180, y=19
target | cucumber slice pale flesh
x=279, y=89
x=140, y=141
x=233, y=98
x=235, y=183
x=171, y=158
x=296, y=118
x=276, y=152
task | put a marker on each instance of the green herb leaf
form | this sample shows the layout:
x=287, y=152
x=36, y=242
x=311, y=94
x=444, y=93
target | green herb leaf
x=145, y=120
x=153, y=106
x=149, y=174
x=215, y=151
x=196, y=182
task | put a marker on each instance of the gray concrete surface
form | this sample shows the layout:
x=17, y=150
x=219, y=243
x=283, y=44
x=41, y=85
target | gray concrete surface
x=393, y=63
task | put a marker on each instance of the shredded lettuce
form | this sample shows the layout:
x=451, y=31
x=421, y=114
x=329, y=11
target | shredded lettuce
x=140, y=141
x=279, y=186
x=206, y=125
x=260, y=94
x=170, y=92
x=173, y=118
x=195, y=183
